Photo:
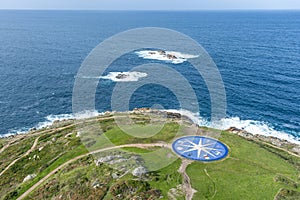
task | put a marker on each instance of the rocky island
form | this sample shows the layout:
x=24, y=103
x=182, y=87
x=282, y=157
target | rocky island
x=167, y=56
x=122, y=76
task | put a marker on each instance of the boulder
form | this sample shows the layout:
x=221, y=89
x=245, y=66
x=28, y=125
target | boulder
x=173, y=115
x=139, y=171
x=29, y=177
x=170, y=56
x=162, y=52
x=121, y=76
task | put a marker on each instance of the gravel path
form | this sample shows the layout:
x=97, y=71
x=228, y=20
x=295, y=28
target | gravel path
x=189, y=191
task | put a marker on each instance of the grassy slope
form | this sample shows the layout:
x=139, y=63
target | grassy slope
x=80, y=176
x=248, y=173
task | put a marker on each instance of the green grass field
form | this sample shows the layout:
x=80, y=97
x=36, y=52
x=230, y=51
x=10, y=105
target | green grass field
x=248, y=173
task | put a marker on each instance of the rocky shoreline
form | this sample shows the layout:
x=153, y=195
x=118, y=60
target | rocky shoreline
x=274, y=141
x=280, y=143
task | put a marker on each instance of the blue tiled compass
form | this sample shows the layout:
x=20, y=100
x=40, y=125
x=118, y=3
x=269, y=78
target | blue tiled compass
x=200, y=148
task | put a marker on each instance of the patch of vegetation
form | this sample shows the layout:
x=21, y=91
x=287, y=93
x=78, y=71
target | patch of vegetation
x=133, y=189
x=166, y=178
x=286, y=194
x=79, y=180
x=2, y=143
x=168, y=132
x=137, y=150
x=282, y=154
x=286, y=181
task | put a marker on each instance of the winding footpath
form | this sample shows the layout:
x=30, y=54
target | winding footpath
x=26, y=154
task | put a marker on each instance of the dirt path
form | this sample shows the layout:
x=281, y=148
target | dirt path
x=26, y=154
x=82, y=156
x=187, y=187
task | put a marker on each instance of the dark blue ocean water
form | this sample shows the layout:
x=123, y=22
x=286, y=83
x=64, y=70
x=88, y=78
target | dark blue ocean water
x=257, y=53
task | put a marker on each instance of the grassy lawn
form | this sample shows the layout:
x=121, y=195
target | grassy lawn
x=248, y=173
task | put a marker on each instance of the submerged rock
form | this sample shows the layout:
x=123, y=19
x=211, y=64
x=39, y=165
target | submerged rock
x=170, y=56
x=122, y=76
x=162, y=52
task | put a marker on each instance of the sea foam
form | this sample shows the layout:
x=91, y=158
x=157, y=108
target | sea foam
x=256, y=128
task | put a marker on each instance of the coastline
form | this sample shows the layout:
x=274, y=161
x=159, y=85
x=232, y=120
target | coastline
x=68, y=119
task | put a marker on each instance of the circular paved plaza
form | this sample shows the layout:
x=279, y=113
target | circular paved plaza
x=200, y=148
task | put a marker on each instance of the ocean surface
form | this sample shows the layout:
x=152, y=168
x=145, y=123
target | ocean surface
x=257, y=53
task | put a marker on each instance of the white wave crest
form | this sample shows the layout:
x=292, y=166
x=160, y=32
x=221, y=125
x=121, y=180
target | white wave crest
x=50, y=119
x=256, y=128
x=168, y=56
x=87, y=114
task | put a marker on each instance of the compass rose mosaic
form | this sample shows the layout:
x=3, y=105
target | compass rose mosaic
x=200, y=148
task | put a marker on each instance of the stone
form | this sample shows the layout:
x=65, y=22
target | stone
x=114, y=176
x=29, y=177
x=139, y=171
